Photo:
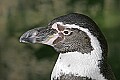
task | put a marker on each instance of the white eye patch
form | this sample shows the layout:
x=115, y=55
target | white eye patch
x=66, y=32
x=60, y=28
x=54, y=26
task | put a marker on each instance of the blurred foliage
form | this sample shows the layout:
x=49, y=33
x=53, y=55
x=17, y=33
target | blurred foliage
x=35, y=61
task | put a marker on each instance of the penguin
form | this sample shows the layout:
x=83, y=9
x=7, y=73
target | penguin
x=81, y=46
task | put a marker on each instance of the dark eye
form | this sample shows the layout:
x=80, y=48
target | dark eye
x=66, y=32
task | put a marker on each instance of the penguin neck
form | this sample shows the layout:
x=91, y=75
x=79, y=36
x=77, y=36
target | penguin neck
x=78, y=64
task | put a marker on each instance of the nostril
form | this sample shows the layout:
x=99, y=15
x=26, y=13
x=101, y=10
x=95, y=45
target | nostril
x=29, y=35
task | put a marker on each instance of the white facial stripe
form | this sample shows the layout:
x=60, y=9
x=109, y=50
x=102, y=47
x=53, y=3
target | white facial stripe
x=54, y=26
x=68, y=25
x=58, y=26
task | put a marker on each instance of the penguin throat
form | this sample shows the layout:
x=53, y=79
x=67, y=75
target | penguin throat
x=78, y=64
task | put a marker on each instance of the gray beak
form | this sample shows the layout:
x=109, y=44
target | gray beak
x=37, y=35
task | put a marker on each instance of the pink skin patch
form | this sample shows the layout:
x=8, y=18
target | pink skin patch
x=60, y=29
x=60, y=38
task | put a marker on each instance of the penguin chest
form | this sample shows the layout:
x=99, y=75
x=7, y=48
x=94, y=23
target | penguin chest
x=76, y=66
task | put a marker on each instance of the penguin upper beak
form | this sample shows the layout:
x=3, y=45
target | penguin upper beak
x=39, y=35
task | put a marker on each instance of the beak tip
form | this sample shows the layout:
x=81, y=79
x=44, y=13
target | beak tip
x=24, y=39
x=21, y=39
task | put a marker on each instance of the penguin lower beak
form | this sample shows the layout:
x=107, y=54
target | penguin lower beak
x=39, y=35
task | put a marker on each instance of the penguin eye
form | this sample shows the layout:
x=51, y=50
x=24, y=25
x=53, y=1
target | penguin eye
x=66, y=32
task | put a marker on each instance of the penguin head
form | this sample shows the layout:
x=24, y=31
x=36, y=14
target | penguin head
x=68, y=33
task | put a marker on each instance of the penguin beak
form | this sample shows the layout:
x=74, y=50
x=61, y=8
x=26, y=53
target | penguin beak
x=39, y=35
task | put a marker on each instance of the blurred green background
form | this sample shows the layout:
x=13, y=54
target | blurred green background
x=20, y=61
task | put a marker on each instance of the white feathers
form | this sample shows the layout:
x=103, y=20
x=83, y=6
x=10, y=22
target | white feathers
x=54, y=26
x=78, y=64
x=84, y=65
